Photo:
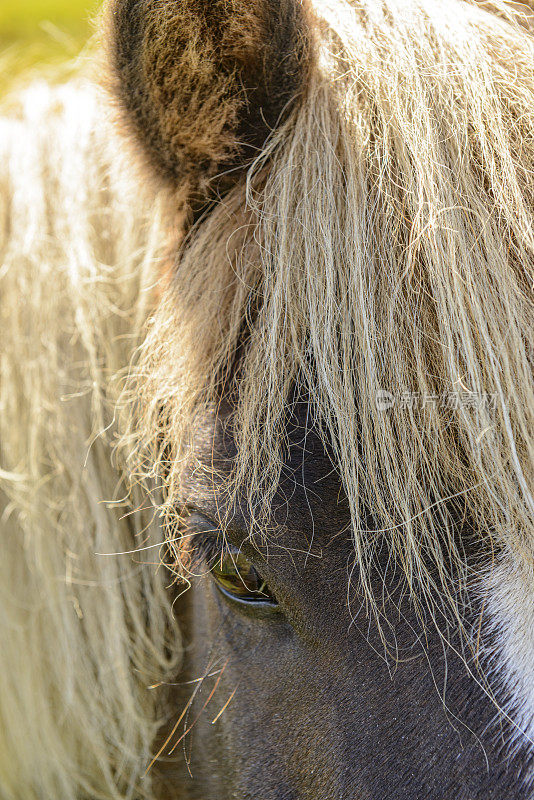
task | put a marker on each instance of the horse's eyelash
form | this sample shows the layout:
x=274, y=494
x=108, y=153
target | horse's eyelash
x=203, y=546
x=205, y=542
x=208, y=550
x=207, y=547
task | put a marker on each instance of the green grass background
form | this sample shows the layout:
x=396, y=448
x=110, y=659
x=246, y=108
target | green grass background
x=37, y=34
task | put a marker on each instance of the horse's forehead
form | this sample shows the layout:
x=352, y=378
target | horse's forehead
x=212, y=435
x=310, y=496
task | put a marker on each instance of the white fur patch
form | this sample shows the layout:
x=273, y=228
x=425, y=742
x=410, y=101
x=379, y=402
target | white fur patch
x=509, y=621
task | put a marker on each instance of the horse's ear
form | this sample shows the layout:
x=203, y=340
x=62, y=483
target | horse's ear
x=202, y=83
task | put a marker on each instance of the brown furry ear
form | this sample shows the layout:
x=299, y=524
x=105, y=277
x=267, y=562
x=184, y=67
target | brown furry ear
x=203, y=82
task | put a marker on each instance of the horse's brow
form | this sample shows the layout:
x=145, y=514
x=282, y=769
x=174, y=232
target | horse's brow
x=232, y=526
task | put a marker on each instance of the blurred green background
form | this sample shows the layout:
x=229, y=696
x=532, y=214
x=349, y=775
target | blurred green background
x=38, y=34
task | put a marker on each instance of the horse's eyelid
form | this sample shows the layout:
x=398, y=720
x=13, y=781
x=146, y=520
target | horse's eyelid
x=210, y=546
x=192, y=512
x=208, y=542
x=215, y=531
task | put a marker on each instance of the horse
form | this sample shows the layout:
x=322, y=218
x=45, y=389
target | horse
x=266, y=398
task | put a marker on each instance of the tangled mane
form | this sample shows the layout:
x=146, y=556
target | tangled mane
x=83, y=635
x=382, y=241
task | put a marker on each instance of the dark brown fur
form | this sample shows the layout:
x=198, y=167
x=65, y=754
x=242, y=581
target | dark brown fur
x=203, y=82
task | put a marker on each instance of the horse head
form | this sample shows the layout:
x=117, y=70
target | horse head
x=357, y=564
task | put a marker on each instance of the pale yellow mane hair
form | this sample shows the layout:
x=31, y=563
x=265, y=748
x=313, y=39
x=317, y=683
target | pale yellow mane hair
x=82, y=636
x=382, y=241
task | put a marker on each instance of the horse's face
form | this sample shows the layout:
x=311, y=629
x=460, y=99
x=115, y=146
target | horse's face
x=300, y=699
x=353, y=260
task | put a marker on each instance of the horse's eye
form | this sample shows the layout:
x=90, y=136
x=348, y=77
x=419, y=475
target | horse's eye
x=238, y=579
x=233, y=574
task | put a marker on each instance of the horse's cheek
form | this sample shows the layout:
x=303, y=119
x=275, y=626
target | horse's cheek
x=256, y=731
x=236, y=735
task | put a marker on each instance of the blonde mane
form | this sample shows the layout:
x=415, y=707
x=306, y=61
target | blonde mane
x=83, y=635
x=381, y=242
